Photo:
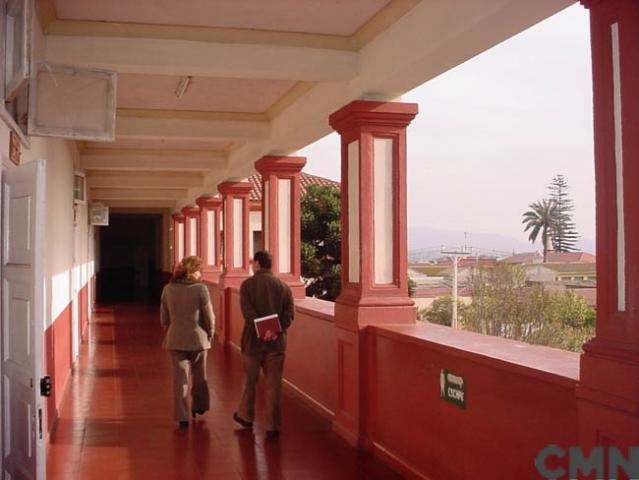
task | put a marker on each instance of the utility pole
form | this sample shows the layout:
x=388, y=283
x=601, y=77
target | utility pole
x=455, y=254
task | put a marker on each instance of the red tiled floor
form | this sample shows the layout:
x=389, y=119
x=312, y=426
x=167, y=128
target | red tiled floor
x=116, y=419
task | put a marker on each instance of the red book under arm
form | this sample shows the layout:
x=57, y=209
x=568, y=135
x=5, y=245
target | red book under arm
x=269, y=322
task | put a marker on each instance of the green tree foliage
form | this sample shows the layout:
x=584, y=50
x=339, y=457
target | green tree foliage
x=504, y=304
x=321, y=242
x=412, y=285
x=542, y=217
x=564, y=235
x=441, y=311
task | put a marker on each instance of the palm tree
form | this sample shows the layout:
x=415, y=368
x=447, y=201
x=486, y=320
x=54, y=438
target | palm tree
x=542, y=217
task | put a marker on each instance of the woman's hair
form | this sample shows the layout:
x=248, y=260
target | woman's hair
x=187, y=267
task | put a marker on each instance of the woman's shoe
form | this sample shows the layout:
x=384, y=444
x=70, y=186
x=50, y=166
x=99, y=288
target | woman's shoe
x=183, y=424
x=196, y=412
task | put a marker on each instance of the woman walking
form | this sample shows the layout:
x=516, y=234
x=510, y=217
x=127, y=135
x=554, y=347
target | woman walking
x=187, y=318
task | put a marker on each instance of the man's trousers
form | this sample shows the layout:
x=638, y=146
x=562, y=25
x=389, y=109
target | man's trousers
x=273, y=365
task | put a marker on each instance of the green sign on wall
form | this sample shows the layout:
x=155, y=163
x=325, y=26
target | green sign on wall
x=452, y=388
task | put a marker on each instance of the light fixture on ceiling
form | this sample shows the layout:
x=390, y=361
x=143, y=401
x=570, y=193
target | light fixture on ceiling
x=182, y=86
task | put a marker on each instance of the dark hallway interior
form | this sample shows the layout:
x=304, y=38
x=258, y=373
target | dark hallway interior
x=130, y=259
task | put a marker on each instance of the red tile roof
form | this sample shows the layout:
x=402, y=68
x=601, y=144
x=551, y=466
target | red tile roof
x=552, y=257
x=306, y=180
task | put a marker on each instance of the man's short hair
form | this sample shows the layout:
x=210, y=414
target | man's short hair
x=264, y=258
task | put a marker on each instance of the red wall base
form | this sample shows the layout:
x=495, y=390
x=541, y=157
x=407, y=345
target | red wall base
x=58, y=361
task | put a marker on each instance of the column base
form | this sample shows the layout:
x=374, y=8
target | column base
x=608, y=396
x=362, y=312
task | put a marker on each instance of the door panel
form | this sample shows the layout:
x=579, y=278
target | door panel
x=22, y=320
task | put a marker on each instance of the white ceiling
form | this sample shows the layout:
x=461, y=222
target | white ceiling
x=202, y=94
x=258, y=87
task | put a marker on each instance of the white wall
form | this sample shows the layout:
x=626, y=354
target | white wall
x=61, y=156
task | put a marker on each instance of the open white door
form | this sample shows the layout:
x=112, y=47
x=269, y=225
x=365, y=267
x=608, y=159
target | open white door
x=23, y=210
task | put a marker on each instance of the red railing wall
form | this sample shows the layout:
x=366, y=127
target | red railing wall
x=519, y=399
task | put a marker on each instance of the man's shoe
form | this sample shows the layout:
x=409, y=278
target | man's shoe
x=240, y=421
x=183, y=424
x=272, y=433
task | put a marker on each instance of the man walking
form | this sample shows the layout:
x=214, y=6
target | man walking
x=261, y=295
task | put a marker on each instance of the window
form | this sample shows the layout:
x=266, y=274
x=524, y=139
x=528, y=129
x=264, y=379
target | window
x=15, y=63
x=79, y=188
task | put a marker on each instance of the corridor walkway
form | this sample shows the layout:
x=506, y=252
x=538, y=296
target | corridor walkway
x=115, y=421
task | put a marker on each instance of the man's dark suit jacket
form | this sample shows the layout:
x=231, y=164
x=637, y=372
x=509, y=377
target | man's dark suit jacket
x=260, y=295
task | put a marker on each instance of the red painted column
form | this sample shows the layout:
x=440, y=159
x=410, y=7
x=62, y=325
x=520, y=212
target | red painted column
x=191, y=230
x=374, y=244
x=178, y=238
x=210, y=211
x=236, y=266
x=609, y=384
x=281, y=216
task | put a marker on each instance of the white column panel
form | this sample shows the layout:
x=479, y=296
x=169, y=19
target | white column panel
x=383, y=209
x=255, y=225
x=284, y=224
x=265, y=206
x=621, y=240
x=210, y=237
x=238, y=233
x=193, y=233
x=180, y=227
x=353, y=212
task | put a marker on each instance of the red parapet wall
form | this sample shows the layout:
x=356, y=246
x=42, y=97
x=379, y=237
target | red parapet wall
x=311, y=355
x=58, y=361
x=519, y=399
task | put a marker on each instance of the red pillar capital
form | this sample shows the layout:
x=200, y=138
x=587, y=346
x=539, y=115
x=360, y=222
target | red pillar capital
x=210, y=211
x=608, y=389
x=281, y=216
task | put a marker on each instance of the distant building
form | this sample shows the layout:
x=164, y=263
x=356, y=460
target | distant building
x=561, y=266
x=551, y=257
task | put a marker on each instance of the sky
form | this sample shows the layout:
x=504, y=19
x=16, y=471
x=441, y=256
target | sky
x=494, y=131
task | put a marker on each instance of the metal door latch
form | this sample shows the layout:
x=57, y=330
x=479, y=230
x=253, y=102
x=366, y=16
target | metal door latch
x=45, y=386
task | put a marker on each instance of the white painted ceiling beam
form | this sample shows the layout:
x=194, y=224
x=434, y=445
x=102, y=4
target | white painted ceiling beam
x=138, y=194
x=152, y=160
x=206, y=59
x=190, y=126
x=144, y=180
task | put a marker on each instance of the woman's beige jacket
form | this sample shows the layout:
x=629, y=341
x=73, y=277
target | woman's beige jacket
x=186, y=316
